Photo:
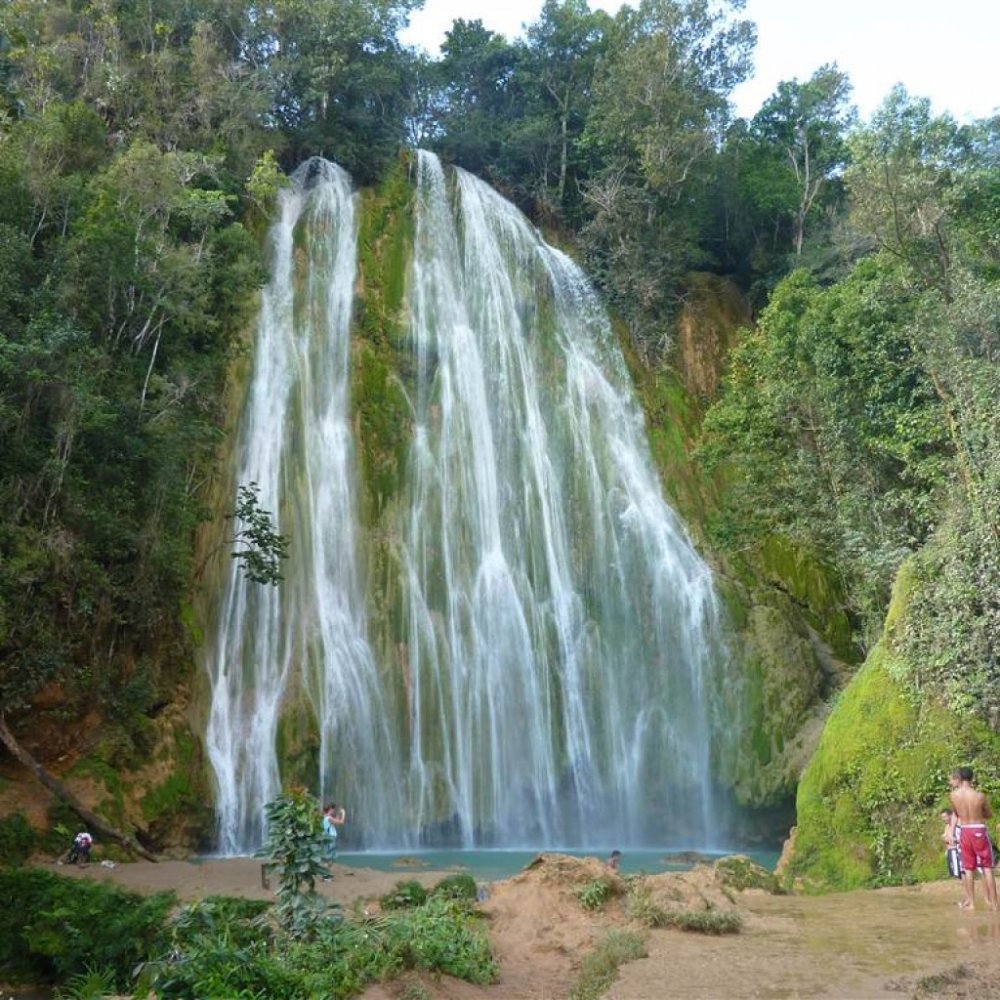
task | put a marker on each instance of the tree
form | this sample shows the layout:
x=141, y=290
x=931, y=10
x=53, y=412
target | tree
x=478, y=96
x=264, y=547
x=904, y=166
x=294, y=850
x=342, y=80
x=830, y=431
x=805, y=124
x=560, y=58
x=659, y=109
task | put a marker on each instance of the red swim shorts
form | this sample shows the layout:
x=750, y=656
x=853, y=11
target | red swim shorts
x=977, y=851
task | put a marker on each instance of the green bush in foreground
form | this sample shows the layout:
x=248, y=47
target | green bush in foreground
x=404, y=895
x=594, y=894
x=705, y=921
x=600, y=967
x=227, y=958
x=461, y=886
x=53, y=928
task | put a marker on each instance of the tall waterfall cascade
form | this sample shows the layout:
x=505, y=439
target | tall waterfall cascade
x=555, y=642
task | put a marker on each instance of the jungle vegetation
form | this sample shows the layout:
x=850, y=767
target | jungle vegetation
x=140, y=149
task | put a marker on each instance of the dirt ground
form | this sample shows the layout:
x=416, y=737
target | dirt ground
x=898, y=942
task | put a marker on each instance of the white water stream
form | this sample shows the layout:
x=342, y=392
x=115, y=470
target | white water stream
x=556, y=637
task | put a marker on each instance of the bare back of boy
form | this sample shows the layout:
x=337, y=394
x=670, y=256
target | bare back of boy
x=970, y=805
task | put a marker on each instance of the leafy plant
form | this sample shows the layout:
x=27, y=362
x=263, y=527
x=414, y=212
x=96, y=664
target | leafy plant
x=404, y=895
x=599, y=969
x=594, y=894
x=460, y=886
x=94, y=983
x=264, y=548
x=54, y=928
x=295, y=849
x=440, y=935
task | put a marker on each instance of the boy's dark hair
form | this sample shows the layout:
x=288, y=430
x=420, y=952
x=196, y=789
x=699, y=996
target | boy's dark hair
x=962, y=773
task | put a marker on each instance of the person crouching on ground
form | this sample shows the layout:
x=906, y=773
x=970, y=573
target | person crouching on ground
x=79, y=853
x=972, y=810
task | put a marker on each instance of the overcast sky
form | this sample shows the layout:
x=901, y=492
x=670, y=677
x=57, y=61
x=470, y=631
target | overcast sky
x=947, y=50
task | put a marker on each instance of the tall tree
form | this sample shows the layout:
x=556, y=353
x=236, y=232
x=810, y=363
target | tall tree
x=805, y=125
x=660, y=106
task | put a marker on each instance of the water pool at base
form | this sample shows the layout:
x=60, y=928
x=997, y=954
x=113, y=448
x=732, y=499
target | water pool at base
x=488, y=865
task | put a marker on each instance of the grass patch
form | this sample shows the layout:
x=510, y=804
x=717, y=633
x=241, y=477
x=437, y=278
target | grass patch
x=600, y=968
x=404, y=896
x=595, y=893
x=640, y=907
x=936, y=983
x=705, y=921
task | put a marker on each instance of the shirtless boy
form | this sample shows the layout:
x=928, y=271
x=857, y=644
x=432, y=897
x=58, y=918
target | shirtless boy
x=972, y=810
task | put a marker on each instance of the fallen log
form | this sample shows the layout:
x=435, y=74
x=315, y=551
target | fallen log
x=93, y=821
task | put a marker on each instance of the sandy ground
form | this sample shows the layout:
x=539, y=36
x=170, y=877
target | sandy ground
x=899, y=942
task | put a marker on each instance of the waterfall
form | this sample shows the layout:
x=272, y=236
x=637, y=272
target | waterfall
x=554, y=636
x=562, y=633
x=307, y=638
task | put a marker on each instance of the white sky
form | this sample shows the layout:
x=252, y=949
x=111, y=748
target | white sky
x=947, y=50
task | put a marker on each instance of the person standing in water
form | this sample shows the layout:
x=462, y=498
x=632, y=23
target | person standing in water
x=972, y=810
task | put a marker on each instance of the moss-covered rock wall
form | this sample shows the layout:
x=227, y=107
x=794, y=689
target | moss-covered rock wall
x=868, y=803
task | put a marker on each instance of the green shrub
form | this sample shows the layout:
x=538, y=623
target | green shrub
x=210, y=962
x=92, y=984
x=739, y=872
x=17, y=839
x=441, y=936
x=594, y=894
x=296, y=851
x=237, y=922
x=706, y=921
x=640, y=907
x=53, y=928
x=600, y=968
x=404, y=895
x=461, y=886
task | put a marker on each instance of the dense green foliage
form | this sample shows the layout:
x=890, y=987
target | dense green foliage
x=53, y=928
x=70, y=931
x=869, y=801
x=227, y=948
x=859, y=418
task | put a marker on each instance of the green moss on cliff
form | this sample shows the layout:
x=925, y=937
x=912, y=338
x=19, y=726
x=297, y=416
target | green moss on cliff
x=381, y=362
x=868, y=802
